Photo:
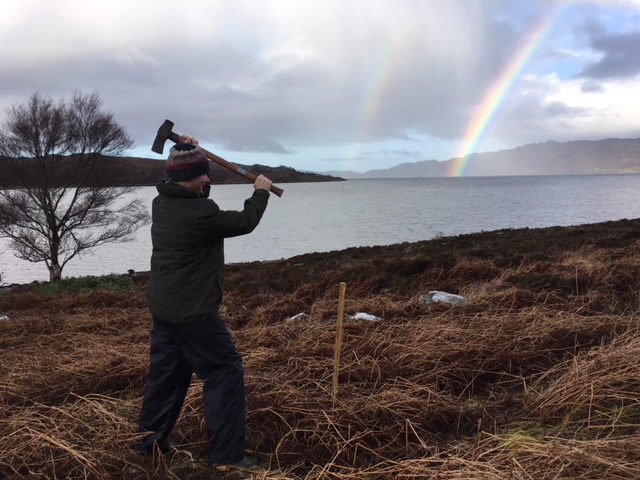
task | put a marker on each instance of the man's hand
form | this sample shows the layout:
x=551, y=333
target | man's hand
x=262, y=183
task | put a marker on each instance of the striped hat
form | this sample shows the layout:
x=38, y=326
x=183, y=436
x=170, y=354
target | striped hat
x=186, y=161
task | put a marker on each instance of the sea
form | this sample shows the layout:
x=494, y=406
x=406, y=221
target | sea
x=328, y=216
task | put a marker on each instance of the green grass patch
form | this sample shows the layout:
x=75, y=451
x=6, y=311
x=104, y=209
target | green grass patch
x=75, y=285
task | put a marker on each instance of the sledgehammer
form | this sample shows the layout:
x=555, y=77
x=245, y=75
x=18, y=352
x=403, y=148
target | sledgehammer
x=166, y=132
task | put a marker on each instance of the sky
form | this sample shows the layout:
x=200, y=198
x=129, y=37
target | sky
x=335, y=85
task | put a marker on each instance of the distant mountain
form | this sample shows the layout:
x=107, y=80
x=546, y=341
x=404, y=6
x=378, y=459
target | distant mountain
x=581, y=157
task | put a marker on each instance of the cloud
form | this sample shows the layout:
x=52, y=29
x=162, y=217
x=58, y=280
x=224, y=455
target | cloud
x=592, y=87
x=403, y=153
x=620, y=57
x=280, y=80
x=318, y=70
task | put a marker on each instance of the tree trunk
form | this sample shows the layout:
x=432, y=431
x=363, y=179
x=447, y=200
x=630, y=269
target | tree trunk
x=55, y=273
x=55, y=270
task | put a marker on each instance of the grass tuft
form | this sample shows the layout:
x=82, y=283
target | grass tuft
x=76, y=285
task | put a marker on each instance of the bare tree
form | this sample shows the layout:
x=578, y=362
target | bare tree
x=61, y=203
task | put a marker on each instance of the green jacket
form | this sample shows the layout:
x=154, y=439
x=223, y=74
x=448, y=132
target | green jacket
x=187, y=263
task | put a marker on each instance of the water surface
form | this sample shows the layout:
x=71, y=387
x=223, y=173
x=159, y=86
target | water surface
x=321, y=217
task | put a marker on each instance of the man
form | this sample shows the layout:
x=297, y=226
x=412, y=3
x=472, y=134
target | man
x=185, y=292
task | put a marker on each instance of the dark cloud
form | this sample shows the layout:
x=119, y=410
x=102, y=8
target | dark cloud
x=592, y=87
x=620, y=57
x=562, y=110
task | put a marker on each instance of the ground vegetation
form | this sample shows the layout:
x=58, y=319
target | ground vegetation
x=537, y=376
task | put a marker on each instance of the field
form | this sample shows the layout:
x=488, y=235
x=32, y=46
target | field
x=536, y=377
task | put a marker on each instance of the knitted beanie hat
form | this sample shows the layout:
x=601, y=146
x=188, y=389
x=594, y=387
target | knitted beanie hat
x=186, y=161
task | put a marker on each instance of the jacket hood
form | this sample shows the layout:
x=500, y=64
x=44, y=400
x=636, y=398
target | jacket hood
x=171, y=189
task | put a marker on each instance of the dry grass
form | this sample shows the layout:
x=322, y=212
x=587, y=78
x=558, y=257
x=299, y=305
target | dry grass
x=537, y=377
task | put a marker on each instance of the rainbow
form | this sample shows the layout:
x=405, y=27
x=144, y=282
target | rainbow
x=497, y=93
x=378, y=83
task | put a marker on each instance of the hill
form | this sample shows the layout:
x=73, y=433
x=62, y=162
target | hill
x=537, y=376
x=582, y=157
x=135, y=171
x=144, y=171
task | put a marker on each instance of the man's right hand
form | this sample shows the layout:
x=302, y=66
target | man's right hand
x=262, y=183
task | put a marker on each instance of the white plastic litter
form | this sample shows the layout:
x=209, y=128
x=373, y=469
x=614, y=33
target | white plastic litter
x=4, y=318
x=300, y=317
x=365, y=316
x=436, y=296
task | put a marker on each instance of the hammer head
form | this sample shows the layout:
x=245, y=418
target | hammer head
x=164, y=132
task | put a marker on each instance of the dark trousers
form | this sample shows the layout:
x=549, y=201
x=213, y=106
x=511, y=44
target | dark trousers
x=206, y=348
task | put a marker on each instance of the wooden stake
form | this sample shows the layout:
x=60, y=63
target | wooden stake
x=336, y=358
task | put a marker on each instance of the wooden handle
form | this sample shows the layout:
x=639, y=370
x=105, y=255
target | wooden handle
x=239, y=170
x=174, y=137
